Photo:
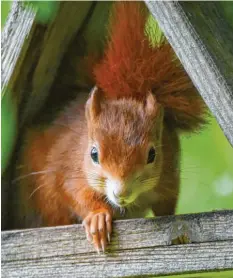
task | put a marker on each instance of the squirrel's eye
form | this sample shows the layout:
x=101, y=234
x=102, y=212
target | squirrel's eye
x=151, y=155
x=94, y=155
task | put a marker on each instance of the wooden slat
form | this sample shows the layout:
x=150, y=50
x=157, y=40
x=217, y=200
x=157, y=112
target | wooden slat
x=56, y=39
x=14, y=35
x=138, y=247
x=202, y=39
x=32, y=52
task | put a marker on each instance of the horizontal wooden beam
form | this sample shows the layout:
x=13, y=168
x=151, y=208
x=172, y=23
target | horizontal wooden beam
x=202, y=37
x=139, y=247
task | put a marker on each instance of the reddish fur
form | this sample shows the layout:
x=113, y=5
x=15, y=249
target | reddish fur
x=54, y=149
x=128, y=71
x=132, y=67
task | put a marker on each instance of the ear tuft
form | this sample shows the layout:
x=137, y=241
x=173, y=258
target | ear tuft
x=93, y=106
x=151, y=105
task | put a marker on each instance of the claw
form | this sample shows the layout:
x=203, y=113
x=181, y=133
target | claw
x=98, y=229
x=98, y=250
x=89, y=239
x=102, y=245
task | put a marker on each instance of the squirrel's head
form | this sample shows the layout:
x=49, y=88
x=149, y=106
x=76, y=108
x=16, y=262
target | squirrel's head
x=124, y=155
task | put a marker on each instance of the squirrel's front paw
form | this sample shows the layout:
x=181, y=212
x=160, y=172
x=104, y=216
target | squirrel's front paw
x=98, y=227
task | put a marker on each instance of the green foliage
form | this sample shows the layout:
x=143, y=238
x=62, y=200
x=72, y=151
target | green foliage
x=153, y=32
x=45, y=10
x=217, y=274
x=5, y=8
x=207, y=171
x=227, y=7
x=8, y=127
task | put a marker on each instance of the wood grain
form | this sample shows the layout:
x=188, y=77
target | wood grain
x=202, y=38
x=138, y=247
x=15, y=37
x=32, y=52
x=56, y=39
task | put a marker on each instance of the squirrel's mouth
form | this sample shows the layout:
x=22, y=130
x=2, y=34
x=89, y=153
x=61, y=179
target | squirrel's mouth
x=119, y=204
x=119, y=200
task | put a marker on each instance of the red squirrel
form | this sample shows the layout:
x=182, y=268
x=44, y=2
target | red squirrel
x=115, y=154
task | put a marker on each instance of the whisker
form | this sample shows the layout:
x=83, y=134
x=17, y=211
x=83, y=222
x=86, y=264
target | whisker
x=31, y=174
x=34, y=191
x=111, y=203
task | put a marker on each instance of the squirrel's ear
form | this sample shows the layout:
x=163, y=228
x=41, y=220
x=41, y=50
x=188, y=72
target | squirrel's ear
x=151, y=104
x=93, y=105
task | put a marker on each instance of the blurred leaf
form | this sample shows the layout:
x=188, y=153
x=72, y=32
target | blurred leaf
x=5, y=8
x=207, y=171
x=45, y=10
x=8, y=127
x=227, y=7
x=153, y=32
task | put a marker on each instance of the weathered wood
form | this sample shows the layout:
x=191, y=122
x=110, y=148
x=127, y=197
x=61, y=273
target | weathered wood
x=32, y=52
x=202, y=39
x=138, y=247
x=14, y=35
x=58, y=36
